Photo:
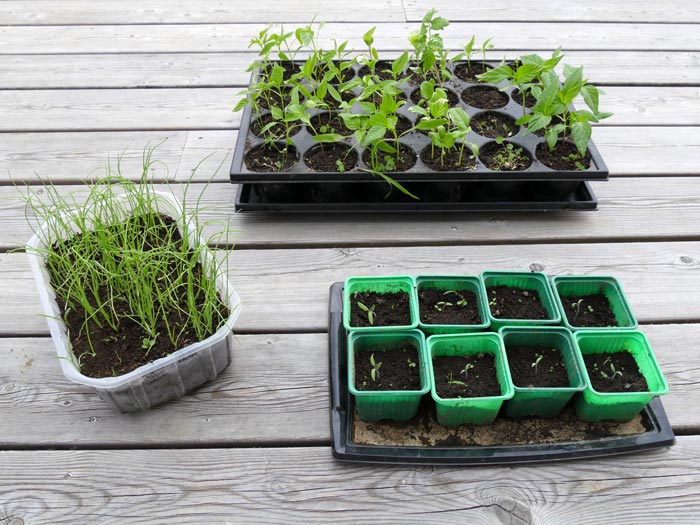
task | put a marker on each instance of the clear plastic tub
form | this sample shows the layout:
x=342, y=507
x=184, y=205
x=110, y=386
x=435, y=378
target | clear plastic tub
x=164, y=379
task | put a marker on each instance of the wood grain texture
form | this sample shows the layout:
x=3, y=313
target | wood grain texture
x=72, y=157
x=630, y=210
x=80, y=12
x=287, y=290
x=211, y=108
x=553, y=11
x=211, y=38
x=305, y=485
x=229, y=69
x=273, y=378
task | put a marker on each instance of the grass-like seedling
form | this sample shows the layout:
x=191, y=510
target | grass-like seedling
x=114, y=260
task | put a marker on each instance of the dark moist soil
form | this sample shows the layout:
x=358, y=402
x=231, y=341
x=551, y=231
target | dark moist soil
x=390, y=309
x=509, y=302
x=484, y=97
x=382, y=70
x=468, y=71
x=498, y=157
x=480, y=381
x=530, y=100
x=549, y=372
x=424, y=431
x=324, y=157
x=274, y=99
x=441, y=307
x=346, y=96
x=450, y=162
x=593, y=310
x=290, y=69
x=329, y=122
x=120, y=352
x=399, y=369
x=563, y=157
x=276, y=132
x=452, y=98
x=630, y=379
x=270, y=158
x=493, y=124
x=407, y=159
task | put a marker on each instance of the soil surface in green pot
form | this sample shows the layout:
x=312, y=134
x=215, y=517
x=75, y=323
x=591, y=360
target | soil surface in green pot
x=509, y=302
x=394, y=369
x=537, y=366
x=109, y=353
x=466, y=376
x=448, y=307
x=614, y=372
x=588, y=310
x=380, y=309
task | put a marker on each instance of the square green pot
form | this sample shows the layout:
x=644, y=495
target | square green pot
x=592, y=405
x=458, y=283
x=582, y=285
x=543, y=401
x=474, y=410
x=384, y=284
x=398, y=405
x=525, y=281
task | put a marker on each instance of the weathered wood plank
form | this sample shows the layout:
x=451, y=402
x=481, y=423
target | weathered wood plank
x=273, y=377
x=265, y=382
x=390, y=36
x=286, y=290
x=71, y=157
x=229, y=69
x=551, y=11
x=81, y=12
x=305, y=485
x=640, y=209
x=210, y=108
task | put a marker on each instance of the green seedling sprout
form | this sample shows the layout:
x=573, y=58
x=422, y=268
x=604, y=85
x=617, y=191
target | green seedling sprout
x=411, y=363
x=462, y=300
x=429, y=54
x=374, y=373
x=369, y=310
x=538, y=358
x=577, y=306
x=466, y=370
x=452, y=381
x=441, y=305
x=613, y=371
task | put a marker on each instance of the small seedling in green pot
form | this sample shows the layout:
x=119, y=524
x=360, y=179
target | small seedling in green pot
x=374, y=373
x=538, y=358
x=369, y=310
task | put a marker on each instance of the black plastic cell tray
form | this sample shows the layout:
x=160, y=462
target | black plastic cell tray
x=417, y=141
x=247, y=199
x=659, y=433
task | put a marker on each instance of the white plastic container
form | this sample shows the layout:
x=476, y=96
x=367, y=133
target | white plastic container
x=159, y=381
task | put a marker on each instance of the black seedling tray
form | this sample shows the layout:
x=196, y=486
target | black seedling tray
x=303, y=141
x=355, y=198
x=658, y=430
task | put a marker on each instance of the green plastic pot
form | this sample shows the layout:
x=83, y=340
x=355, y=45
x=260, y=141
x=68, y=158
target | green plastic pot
x=543, y=401
x=398, y=405
x=525, y=281
x=582, y=285
x=474, y=410
x=385, y=284
x=592, y=405
x=458, y=283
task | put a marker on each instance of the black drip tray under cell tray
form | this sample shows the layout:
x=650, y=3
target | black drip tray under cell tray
x=423, y=441
x=353, y=198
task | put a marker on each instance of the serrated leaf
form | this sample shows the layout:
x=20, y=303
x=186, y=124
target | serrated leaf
x=581, y=134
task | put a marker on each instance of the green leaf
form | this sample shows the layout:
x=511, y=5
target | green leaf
x=430, y=124
x=328, y=137
x=427, y=88
x=572, y=84
x=374, y=134
x=581, y=133
x=384, y=146
x=304, y=35
x=538, y=121
x=439, y=107
x=277, y=113
x=551, y=137
x=590, y=97
x=460, y=118
x=497, y=74
x=241, y=104
x=378, y=119
x=525, y=73
x=399, y=65
x=276, y=75
x=439, y=23
x=368, y=37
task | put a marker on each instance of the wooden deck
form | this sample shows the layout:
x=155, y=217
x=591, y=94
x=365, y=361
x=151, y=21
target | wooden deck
x=83, y=81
